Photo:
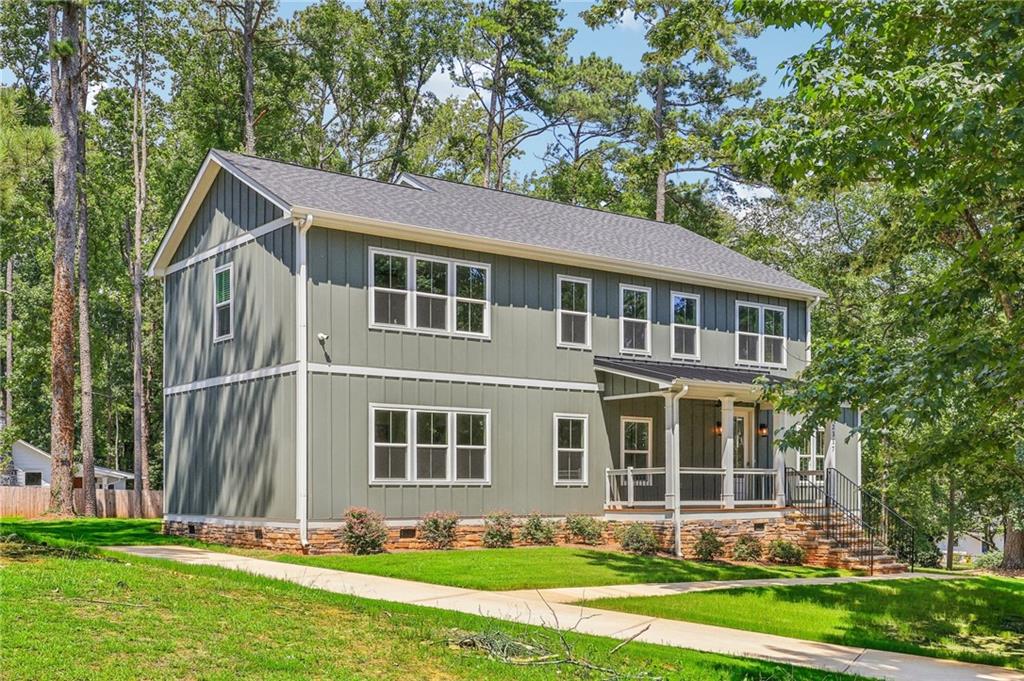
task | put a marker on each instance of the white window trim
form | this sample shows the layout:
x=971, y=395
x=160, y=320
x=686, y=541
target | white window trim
x=411, y=293
x=410, y=446
x=558, y=315
x=622, y=320
x=761, y=335
x=672, y=326
x=230, y=269
x=585, y=481
x=650, y=438
x=813, y=455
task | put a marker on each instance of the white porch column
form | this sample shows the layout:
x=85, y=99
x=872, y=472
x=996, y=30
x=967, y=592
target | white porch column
x=830, y=453
x=728, y=452
x=671, y=455
x=778, y=460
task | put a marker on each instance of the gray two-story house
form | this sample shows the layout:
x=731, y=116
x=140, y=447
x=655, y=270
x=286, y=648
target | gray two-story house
x=421, y=345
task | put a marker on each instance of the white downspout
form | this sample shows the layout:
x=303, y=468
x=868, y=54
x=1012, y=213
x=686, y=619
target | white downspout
x=302, y=383
x=676, y=513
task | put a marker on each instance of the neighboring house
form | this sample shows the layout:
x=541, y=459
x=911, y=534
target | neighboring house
x=332, y=341
x=30, y=467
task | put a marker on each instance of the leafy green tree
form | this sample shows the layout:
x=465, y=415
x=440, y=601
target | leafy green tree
x=921, y=99
x=690, y=75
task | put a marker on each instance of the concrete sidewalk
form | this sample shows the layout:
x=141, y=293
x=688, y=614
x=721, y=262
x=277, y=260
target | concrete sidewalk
x=514, y=607
x=590, y=593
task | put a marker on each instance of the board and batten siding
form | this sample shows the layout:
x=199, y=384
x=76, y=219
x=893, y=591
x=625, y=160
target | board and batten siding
x=523, y=302
x=264, y=300
x=230, y=450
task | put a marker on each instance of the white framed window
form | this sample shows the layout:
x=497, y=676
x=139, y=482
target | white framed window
x=428, y=294
x=570, y=449
x=685, y=325
x=634, y=319
x=811, y=456
x=429, y=445
x=573, y=306
x=223, y=303
x=635, y=441
x=760, y=334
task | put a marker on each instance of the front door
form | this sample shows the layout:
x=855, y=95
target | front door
x=743, y=432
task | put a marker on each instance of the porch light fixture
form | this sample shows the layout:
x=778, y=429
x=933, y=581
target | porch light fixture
x=762, y=429
x=718, y=428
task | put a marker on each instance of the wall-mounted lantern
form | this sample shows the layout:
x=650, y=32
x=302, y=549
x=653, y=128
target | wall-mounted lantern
x=718, y=428
x=762, y=429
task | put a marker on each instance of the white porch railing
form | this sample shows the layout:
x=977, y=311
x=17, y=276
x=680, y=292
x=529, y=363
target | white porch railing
x=645, y=487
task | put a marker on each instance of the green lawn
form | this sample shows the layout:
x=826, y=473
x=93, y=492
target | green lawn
x=73, y=614
x=486, y=569
x=977, y=619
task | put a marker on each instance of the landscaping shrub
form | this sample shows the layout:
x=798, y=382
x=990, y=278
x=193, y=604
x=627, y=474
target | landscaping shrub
x=364, y=531
x=638, y=538
x=782, y=551
x=748, y=548
x=709, y=546
x=989, y=561
x=585, y=528
x=498, y=530
x=536, y=530
x=438, y=529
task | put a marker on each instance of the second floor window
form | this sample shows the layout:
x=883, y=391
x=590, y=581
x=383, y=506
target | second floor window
x=573, y=312
x=760, y=334
x=223, y=303
x=434, y=295
x=685, y=329
x=634, y=319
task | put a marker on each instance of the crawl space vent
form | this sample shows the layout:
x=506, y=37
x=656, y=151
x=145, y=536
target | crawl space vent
x=407, y=533
x=758, y=527
x=191, y=529
x=258, y=534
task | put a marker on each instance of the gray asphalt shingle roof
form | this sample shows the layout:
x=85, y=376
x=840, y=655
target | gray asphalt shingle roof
x=514, y=218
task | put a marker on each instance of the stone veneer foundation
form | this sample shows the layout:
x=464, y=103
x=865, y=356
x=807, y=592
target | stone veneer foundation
x=790, y=526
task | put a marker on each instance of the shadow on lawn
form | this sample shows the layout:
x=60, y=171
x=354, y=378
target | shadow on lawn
x=635, y=568
x=89, y=531
x=978, y=619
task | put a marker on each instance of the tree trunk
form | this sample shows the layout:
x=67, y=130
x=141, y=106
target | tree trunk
x=65, y=67
x=248, y=98
x=84, y=340
x=496, y=83
x=951, y=524
x=1013, y=546
x=147, y=382
x=9, y=343
x=139, y=161
x=659, y=137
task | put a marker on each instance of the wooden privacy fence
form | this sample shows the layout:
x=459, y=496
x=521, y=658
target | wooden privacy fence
x=32, y=502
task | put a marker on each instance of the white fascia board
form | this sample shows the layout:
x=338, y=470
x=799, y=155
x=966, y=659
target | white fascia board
x=356, y=223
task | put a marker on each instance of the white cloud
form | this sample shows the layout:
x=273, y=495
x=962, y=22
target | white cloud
x=441, y=84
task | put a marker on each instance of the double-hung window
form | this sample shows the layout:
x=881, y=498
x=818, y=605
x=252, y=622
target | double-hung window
x=429, y=294
x=812, y=456
x=573, y=312
x=685, y=325
x=570, y=449
x=636, y=442
x=760, y=334
x=634, y=319
x=223, y=303
x=429, y=445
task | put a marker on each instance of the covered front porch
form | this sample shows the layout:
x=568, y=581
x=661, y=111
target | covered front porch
x=690, y=437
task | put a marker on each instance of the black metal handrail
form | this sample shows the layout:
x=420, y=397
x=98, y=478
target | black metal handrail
x=891, y=529
x=841, y=524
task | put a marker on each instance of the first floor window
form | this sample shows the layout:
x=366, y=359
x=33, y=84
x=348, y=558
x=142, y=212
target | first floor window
x=429, y=445
x=570, y=449
x=685, y=330
x=573, y=312
x=390, y=444
x=812, y=456
x=636, y=442
x=33, y=479
x=760, y=334
x=635, y=319
x=223, y=302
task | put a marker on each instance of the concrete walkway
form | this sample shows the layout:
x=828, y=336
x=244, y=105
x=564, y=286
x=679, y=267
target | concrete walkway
x=514, y=607
x=590, y=593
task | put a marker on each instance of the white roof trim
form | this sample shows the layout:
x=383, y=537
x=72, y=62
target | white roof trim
x=212, y=164
x=100, y=470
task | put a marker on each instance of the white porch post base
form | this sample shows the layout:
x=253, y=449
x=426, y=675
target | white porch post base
x=780, y=479
x=728, y=452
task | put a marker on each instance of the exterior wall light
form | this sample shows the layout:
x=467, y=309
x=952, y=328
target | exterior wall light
x=718, y=428
x=762, y=429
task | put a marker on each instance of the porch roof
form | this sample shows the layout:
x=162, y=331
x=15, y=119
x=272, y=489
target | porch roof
x=666, y=373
